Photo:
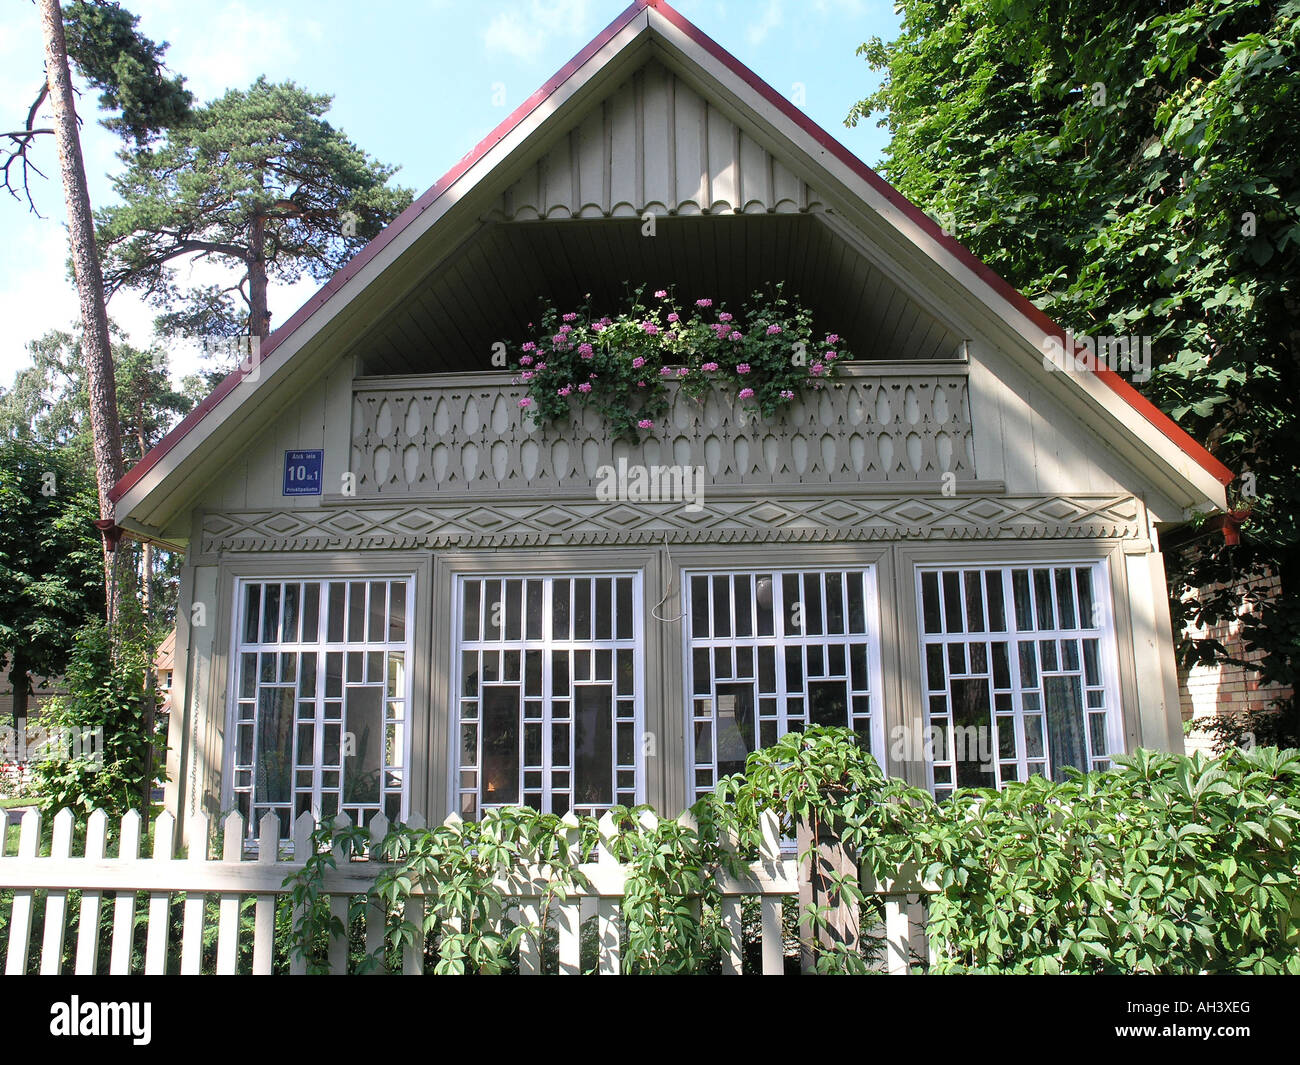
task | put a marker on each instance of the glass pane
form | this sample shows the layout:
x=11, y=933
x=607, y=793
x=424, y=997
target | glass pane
x=397, y=612
x=292, y=594
x=624, y=609
x=721, y=606
x=1024, y=606
x=493, y=607
x=356, y=612
x=974, y=602
x=828, y=703
x=930, y=602
x=971, y=734
x=582, y=609
x=593, y=776
x=812, y=604
x=735, y=726
x=1064, y=724
x=377, y=624
x=997, y=608
x=604, y=609
x=252, y=612
x=700, y=607
x=792, y=605
x=1065, y=598
x=764, y=593
x=560, y=590
x=311, y=612
x=952, y=601
x=274, y=744
x=744, y=605
x=334, y=624
x=1043, y=599
x=500, y=744
x=363, y=761
x=1088, y=614
x=514, y=610
x=271, y=614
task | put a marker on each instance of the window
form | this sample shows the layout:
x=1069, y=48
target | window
x=321, y=691
x=1017, y=672
x=771, y=651
x=549, y=707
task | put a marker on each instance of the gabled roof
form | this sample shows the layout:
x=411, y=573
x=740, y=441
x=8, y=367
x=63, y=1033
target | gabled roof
x=643, y=24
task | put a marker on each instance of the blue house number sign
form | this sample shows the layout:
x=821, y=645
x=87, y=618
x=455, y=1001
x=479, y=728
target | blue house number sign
x=302, y=472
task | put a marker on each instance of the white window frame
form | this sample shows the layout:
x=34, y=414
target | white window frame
x=779, y=641
x=547, y=644
x=238, y=647
x=1105, y=633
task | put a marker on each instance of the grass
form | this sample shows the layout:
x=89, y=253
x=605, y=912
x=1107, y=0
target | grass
x=5, y=804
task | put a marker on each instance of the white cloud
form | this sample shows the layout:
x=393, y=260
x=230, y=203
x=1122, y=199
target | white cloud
x=770, y=19
x=523, y=31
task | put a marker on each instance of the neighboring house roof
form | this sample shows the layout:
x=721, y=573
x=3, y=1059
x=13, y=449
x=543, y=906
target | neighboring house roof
x=166, y=652
x=162, y=472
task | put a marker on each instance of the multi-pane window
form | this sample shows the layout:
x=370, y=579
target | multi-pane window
x=321, y=695
x=1016, y=672
x=549, y=707
x=772, y=651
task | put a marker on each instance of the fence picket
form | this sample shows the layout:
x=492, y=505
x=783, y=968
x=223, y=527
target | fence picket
x=56, y=902
x=88, y=919
x=896, y=935
x=608, y=923
x=338, y=945
x=192, y=922
x=302, y=830
x=530, y=954
x=128, y=850
x=268, y=851
x=232, y=850
x=155, y=950
x=20, y=914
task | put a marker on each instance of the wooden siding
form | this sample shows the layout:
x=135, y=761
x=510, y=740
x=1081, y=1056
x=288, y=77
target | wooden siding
x=654, y=145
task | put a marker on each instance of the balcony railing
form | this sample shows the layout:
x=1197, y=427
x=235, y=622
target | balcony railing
x=451, y=434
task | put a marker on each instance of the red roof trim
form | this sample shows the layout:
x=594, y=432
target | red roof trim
x=1130, y=395
x=366, y=254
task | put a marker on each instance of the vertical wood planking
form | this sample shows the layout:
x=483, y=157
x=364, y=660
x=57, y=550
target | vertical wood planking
x=128, y=850
x=155, y=951
x=20, y=912
x=232, y=850
x=88, y=920
x=56, y=902
x=268, y=849
x=192, y=923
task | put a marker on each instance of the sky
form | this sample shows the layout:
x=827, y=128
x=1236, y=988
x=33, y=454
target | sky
x=416, y=84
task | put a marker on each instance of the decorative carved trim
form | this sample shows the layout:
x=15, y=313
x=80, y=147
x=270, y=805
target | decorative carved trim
x=471, y=436
x=788, y=519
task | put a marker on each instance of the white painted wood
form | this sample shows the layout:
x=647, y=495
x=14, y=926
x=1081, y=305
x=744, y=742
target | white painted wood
x=530, y=954
x=56, y=902
x=773, y=947
x=88, y=919
x=192, y=926
x=20, y=913
x=338, y=945
x=302, y=830
x=733, y=959
x=268, y=848
x=128, y=850
x=896, y=936
x=232, y=850
x=413, y=953
x=155, y=951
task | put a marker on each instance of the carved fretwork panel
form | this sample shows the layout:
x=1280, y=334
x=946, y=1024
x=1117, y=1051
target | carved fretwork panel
x=780, y=519
x=470, y=436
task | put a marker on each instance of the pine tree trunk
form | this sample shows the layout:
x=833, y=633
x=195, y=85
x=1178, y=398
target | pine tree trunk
x=96, y=351
x=259, y=317
x=22, y=686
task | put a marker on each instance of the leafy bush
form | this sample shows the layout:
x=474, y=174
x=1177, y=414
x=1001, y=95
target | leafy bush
x=1163, y=864
x=106, y=691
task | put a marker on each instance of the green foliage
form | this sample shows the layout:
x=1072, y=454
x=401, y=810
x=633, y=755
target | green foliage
x=106, y=684
x=1163, y=864
x=51, y=568
x=620, y=365
x=256, y=180
x=1134, y=165
x=126, y=67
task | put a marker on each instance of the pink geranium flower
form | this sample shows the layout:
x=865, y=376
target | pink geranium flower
x=682, y=371
x=832, y=338
x=725, y=316
x=571, y=317
x=772, y=330
x=525, y=360
x=710, y=367
x=527, y=375
x=566, y=390
x=735, y=335
x=816, y=369
x=530, y=346
x=584, y=351
x=585, y=387
x=746, y=393
x=661, y=293
x=673, y=317
x=649, y=327
x=704, y=303
x=787, y=394
x=638, y=362
x=525, y=402
x=665, y=371
x=645, y=423
x=742, y=368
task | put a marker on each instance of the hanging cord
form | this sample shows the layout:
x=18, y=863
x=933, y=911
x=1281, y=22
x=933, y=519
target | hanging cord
x=668, y=591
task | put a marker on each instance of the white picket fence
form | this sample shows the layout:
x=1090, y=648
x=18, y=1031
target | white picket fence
x=237, y=876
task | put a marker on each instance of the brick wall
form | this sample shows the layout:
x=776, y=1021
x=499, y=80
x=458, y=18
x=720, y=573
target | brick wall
x=1224, y=689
